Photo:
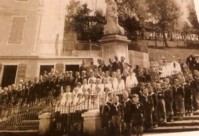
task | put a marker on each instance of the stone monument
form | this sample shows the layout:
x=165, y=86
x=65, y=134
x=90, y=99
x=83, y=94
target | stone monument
x=112, y=26
x=114, y=43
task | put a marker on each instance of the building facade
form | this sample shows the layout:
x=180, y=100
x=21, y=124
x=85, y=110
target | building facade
x=31, y=40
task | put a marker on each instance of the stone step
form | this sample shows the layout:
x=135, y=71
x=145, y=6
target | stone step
x=187, y=123
x=21, y=125
x=181, y=123
x=169, y=129
x=196, y=113
x=195, y=117
x=18, y=133
x=28, y=125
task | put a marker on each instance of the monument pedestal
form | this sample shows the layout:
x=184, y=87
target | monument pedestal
x=92, y=122
x=114, y=45
x=44, y=123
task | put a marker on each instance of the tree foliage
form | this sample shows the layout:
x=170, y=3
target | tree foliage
x=132, y=14
x=193, y=20
x=164, y=13
x=87, y=27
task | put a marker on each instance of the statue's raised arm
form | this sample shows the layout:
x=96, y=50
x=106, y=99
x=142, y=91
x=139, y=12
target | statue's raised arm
x=112, y=26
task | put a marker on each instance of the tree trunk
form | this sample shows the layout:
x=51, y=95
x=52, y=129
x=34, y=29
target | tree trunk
x=164, y=38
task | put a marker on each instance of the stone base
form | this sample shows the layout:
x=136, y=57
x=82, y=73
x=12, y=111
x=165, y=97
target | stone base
x=44, y=123
x=92, y=122
x=114, y=45
x=139, y=58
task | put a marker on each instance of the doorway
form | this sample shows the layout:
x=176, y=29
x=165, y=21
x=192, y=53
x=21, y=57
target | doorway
x=9, y=75
x=73, y=68
x=44, y=69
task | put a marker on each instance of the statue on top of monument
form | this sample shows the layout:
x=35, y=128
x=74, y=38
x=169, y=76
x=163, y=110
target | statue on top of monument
x=112, y=26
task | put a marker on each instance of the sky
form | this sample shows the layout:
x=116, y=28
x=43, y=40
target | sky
x=93, y=4
x=196, y=3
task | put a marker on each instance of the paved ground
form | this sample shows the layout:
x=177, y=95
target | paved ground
x=194, y=133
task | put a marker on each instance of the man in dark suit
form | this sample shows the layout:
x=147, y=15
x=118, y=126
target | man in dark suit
x=191, y=62
x=70, y=80
x=110, y=66
x=117, y=65
x=125, y=65
x=102, y=66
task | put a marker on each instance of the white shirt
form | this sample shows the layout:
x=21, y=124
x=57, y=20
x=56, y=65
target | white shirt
x=114, y=82
x=175, y=67
x=121, y=85
x=84, y=88
x=131, y=81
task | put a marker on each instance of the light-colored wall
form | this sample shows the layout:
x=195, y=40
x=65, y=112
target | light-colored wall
x=52, y=27
x=138, y=58
x=43, y=30
x=8, y=9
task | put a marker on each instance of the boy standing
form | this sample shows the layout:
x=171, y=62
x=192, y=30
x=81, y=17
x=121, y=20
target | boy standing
x=137, y=116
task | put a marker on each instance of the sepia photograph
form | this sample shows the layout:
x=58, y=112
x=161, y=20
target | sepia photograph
x=99, y=67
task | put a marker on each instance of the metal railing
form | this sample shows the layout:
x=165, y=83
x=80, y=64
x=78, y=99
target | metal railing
x=67, y=119
x=23, y=117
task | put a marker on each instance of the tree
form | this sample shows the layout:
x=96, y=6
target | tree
x=88, y=27
x=71, y=10
x=131, y=14
x=193, y=20
x=164, y=13
x=185, y=30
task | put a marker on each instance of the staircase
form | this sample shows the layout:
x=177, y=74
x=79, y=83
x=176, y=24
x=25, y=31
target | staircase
x=188, y=123
x=23, y=120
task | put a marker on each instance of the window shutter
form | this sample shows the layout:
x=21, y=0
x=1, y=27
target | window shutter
x=16, y=30
x=21, y=74
x=60, y=67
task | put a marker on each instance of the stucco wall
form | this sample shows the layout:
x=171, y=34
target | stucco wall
x=138, y=58
x=8, y=9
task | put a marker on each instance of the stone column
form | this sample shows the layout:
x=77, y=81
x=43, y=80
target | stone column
x=92, y=122
x=114, y=45
x=44, y=123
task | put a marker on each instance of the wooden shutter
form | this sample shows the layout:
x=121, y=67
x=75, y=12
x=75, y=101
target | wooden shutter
x=16, y=30
x=21, y=73
x=60, y=67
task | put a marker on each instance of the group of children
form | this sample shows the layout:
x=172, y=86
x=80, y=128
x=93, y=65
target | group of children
x=129, y=100
x=148, y=105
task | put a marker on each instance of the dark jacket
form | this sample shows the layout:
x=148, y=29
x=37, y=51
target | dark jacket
x=168, y=94
x=105, y=113
x=127, y=110
x=137, y=114
x=179, y=90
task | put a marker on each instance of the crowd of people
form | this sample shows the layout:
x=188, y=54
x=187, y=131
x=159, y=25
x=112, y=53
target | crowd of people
x=131, y=99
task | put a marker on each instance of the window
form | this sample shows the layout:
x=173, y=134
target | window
x=45, y=69
x=9, y=75
x=72, y=68
x=16, y=30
